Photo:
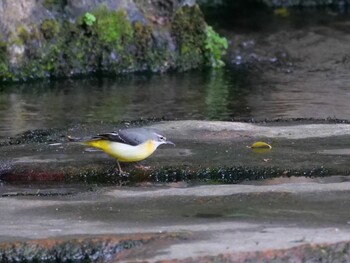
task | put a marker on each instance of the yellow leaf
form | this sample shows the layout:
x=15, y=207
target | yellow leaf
x=281, y=11
x=260, y=145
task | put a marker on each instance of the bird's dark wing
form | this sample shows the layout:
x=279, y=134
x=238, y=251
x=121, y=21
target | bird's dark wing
x=132, y=136
x=111, y=136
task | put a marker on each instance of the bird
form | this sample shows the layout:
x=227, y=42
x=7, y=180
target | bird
x=129, y=145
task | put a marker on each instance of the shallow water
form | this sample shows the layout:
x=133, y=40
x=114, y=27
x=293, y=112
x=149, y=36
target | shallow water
x=193, y=95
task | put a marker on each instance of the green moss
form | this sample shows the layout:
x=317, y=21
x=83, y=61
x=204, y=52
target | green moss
x=3, y=59
x=143, y=43
x=151, y=53
x=3, y=50
x=23, y=34
x=143, y=37
x=72, y=52
x=188, y=30
x=215, y=48
x=76, y=51
x=49, y=28
x=89, y=19
x=113, y=27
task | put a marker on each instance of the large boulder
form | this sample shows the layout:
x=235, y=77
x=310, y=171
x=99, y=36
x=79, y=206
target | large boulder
x=59, y=38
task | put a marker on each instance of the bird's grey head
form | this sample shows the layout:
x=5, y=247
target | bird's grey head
x=161, y=139
x=136, y=136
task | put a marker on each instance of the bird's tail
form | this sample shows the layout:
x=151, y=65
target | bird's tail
x=99, y=144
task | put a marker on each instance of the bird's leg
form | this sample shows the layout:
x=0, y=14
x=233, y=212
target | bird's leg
x=121, y=171
x=119, y=168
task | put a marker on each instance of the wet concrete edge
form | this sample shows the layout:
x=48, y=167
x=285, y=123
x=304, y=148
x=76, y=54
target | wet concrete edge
x=113, y=248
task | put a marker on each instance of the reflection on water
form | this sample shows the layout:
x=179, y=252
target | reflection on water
x=216, y=95
x=194, y=95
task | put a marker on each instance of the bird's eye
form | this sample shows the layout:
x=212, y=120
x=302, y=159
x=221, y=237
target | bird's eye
x=162, y=138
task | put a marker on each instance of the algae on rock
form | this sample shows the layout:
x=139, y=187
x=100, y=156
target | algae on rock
x=188, y=29
x=53, y=41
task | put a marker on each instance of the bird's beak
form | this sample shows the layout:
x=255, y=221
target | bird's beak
x=169, y=142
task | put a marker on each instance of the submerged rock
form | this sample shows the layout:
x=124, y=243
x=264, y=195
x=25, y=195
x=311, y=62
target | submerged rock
x=53, y=38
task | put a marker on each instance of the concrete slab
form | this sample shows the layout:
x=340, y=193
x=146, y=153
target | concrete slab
x=214, y=151
x=216, y=219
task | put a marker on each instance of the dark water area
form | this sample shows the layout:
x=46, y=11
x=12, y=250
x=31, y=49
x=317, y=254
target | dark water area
x=254, y=16
x=292, y=64
x=216, y=95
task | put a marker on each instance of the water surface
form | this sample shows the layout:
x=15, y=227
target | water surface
x=194, y=95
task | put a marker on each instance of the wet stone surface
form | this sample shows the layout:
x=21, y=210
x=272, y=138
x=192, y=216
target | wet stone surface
x=153, y=223
x=205, y=152
x=80, y=249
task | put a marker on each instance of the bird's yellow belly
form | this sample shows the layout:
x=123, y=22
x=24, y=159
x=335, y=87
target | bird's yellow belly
x=123, y=152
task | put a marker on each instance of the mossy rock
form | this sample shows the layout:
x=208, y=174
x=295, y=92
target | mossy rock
x=3, y=51
x=49, y=28
x=188, y=30
x=23, y=34
x=143, y=38
x=113, y=27
x=3, y=59
x=107, y=43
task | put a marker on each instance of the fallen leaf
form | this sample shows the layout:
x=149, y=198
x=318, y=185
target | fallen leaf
x=282, y=11
x=260, y=145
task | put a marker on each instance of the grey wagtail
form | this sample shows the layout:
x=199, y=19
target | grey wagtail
x=129, y=145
